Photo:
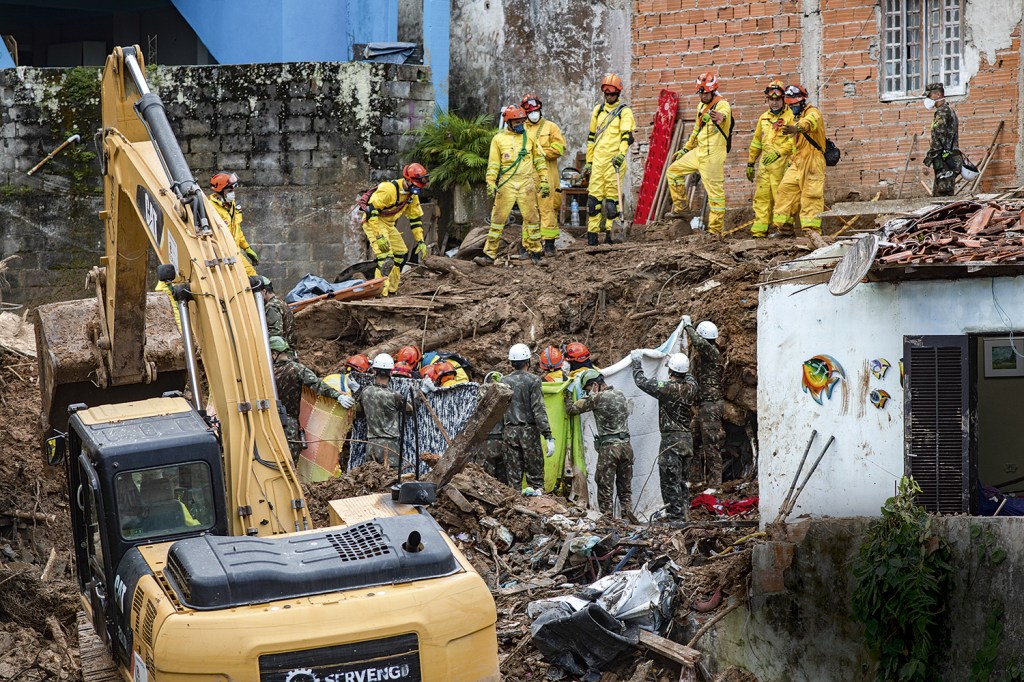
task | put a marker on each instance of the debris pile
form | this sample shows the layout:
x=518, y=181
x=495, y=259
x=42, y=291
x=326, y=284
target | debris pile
x=960, y=232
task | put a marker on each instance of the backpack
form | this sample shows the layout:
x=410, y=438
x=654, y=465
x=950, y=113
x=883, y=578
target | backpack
x=364, y=202
x=831, y=151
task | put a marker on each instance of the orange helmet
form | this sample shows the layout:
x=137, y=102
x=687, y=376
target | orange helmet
x=611, y=83
x=776, y=88
x=795, y=93
x=577, y=352
x=358, y=362
x=445, y=373
x=432, y=372
x=223, y=180
x=551, y=358
x=416, y=175
x=707, y=82
x=512, y=112
x=410, y=355
x=402, y=369
x=531, y=102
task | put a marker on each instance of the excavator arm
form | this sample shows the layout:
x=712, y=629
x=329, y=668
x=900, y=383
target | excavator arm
x=152, y=201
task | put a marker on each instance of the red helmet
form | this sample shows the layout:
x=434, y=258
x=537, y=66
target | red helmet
x=795, y=93
x=707, y=82
x=416, y=175
x=402, y=369
x=432, y=372
x=223, y=180
x=513, y=112
x=359, y=363
x=410, y=355
x=445, y=372
x=531, y=103
x=551, y=358
x=577, y=352
x=611, y=83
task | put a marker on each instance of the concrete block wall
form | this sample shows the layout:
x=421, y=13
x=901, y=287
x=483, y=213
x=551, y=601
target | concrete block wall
x=832, y=47
x=304, y=138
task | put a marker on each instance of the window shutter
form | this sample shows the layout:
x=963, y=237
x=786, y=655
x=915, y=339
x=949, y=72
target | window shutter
x=935, y=418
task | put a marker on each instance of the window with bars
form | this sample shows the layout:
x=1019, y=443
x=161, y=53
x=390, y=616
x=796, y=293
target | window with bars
x=923, y=43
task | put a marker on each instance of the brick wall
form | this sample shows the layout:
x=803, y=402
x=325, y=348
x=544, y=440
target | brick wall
x=304, y=139
x=749, y=44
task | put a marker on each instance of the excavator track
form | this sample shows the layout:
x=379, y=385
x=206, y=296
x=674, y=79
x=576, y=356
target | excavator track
x=97, y=666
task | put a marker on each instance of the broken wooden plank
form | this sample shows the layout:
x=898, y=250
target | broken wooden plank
x=562, y=555
x=535, y=584
x=459, y=499
x=494, y=401
x=680, y=653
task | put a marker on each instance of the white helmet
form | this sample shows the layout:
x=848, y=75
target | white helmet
x=383, y=361
x=678, y=363
x=708, y=330
x=519, y=352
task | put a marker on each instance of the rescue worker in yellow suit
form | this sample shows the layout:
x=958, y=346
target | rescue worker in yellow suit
x=546, y=134
x=389, y=202
x=223, y=185
x=611, y=132
x=709, y=141
x=515, y=171
x=773, y=147
x=803, y=186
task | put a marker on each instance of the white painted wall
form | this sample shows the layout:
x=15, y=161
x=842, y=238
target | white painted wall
x=860, y=470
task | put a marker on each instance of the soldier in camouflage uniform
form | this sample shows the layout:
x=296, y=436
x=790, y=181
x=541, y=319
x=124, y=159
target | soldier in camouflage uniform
x=290, y=376
x=492, y=454
x=382, y=408
x=280, y=319
x=614, y=452
x=525, y=422
x=675, y=403
x=944, y=154
x=710, y=405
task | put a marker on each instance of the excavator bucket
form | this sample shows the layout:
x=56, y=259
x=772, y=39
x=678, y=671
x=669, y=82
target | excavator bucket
x=71, y=365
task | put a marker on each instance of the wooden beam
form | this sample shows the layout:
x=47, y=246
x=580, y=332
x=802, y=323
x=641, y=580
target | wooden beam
x=679, y=653
x=494, y=400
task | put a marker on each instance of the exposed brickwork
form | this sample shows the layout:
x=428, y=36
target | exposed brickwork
x=748, y=44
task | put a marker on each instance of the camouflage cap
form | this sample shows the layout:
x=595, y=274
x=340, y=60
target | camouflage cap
x=278, y=344
x=931, y=87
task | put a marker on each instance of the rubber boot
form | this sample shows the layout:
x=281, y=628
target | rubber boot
x=608, y=237
x=549, y=247
x=523, y=253
x=591, y=238
x=535, y=257
x=483, y=260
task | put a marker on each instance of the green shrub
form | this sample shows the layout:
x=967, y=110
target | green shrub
x=453, y=149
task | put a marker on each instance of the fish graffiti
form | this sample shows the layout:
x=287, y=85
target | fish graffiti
x=879, y=398
x=821, y=374
x=879, y=366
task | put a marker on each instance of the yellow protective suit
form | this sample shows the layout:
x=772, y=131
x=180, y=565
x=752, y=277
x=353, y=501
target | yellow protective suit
x=803, y=186
x=549, y=140
x=232, y=217
x=769, y=137
x=610, y=135
x=706, y=149
x=515, y=167
x=389, y=202
x=166, y=288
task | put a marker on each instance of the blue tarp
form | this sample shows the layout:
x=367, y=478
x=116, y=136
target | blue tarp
x=312, y=285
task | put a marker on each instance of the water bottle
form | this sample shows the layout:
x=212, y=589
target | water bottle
x=575, y=210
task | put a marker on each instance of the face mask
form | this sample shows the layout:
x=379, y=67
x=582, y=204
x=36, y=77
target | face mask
x=230, y=196
x=534, y=116
x=929, y=103
x=518, y=128
x=796, y=108
x=413, y=189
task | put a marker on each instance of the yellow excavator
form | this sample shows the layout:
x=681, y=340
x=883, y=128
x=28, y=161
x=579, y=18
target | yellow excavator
x=193, y=545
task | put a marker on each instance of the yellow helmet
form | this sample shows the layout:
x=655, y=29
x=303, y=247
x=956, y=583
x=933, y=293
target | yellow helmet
x=777, y=87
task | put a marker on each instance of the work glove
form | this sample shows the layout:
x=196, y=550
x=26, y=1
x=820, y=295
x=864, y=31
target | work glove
x=769, y=157
x=618, y=160
x=352, y=385
x=492, y=189
x=427, y=385
x=587, y=167
x=635, y=356
x=253, y=257
x=750, y=172
x=386, y=266
x=383, y=245
x=687, y=322
x=551, y=447
x=420, y=250
x=545, y=189
x=346, y=400
x=679, y=154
